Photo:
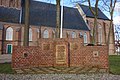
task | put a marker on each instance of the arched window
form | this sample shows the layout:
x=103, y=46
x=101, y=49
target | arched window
x=30, y=34
x=9, y=34
x=91, y=31
x=73, y=35
x=45, y=34
x=85, y=38
x=100, y=34
x=38, y=33
x=11, y=3
x=81, y=35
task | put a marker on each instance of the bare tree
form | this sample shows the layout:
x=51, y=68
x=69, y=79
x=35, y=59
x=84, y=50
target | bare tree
x=94, y=11
x=58, y=18
x=57, y=32
x=109, y=6
x=26, y=27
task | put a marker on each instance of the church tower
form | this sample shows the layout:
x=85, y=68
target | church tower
x=11, y=3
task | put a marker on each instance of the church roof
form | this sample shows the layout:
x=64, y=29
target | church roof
x=88, y=13
x=1, y=26
x=44, y=14
x=9, y=15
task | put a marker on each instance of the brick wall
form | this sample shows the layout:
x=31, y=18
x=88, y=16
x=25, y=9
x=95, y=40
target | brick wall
x=76, y=54
x=105, y=24
x=90, y=56
x=11, y=3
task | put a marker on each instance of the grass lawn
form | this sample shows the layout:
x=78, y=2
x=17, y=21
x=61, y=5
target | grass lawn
x=114, y=62
x=6, y=68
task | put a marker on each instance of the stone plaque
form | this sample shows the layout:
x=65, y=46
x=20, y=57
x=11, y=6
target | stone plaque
x=60, y=54
x=46, y=46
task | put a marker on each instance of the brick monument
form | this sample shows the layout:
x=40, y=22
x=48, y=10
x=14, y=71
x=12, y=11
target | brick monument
x=60, y=52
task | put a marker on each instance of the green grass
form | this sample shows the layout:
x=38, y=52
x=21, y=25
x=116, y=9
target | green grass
x=6, y=68
x=114, y=62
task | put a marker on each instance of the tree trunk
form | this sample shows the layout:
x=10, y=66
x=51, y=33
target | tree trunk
x=94, y=38
x=95, y=13
x=26, y=27
x=57, y=18
x=111, y=33
x=111, y=29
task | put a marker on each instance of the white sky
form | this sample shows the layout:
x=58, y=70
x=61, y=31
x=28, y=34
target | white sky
x=116, y=19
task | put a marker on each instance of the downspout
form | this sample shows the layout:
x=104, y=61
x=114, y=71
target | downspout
x=40, y=36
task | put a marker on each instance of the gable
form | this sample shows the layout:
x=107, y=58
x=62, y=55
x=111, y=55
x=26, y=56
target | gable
x=88, y=13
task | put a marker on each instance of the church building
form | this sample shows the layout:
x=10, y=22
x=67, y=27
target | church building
x=77, y=23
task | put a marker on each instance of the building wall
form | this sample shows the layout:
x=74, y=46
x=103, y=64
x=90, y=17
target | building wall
x=11, y=3
x=15, y=40
x=105, y=24
x=18, y=36
x=104, y=29
x=37, y=32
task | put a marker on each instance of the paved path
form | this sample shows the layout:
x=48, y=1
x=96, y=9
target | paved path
x=70, y=70
x=5, y=58
x=59, y=77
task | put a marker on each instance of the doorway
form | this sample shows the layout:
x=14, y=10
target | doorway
x=9, y=48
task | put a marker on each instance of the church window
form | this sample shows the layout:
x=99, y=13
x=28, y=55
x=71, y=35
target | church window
x=81, y=35
x=45, y=34
x=73, y=35
x=85, y=38
x=9, y=34
x=30, y=34
x=100, y=34
x=38, y=33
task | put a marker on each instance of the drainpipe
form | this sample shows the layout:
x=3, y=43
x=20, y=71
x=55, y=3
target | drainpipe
x=20, y=19
x=40, y=32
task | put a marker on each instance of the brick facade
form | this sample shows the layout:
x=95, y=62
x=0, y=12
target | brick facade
x=18, y=31
x=18, y=35
x=105, y=25
x=76, y=54
x=11, y=3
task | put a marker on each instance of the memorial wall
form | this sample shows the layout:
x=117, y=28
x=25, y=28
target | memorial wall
x=60, y=53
